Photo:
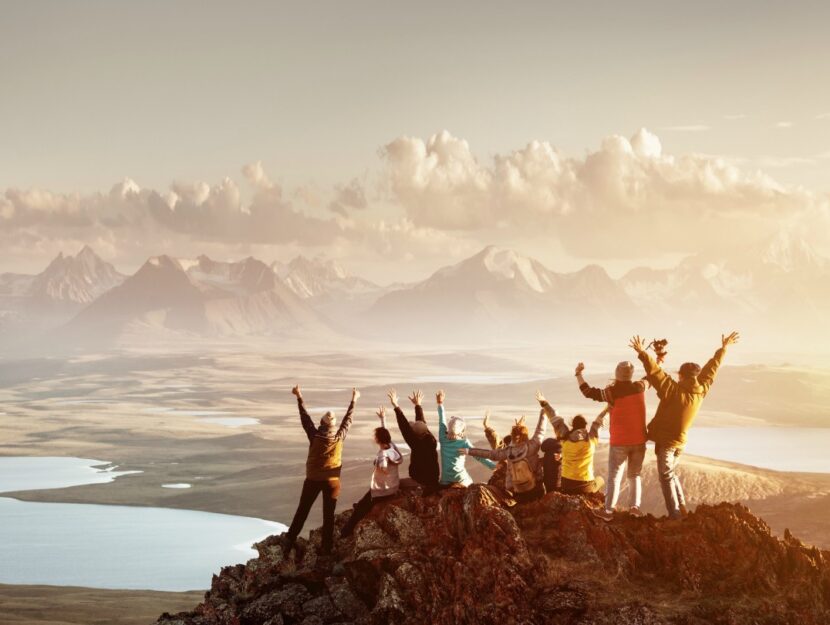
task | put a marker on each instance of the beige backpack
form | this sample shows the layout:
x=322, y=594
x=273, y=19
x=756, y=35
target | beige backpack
x=521, y=474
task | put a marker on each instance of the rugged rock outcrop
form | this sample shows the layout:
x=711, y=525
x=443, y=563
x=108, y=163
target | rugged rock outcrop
x=461, y=557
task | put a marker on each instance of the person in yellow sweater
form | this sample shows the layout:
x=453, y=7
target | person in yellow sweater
x=579, y=442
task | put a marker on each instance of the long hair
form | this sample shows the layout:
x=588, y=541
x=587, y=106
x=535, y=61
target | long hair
x=456, y=428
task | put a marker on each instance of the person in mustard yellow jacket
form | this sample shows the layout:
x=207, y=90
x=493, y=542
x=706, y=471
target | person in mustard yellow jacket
x=680, y=401
x=579, y=442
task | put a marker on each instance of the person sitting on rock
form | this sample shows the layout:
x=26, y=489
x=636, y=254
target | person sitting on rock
x=680, y=401
x=385, y=480
x=627, y=401
x=323, y=467
x=578, y=446
x=423, y=463
x=452, y=436
x=552, y=464
x=523, y=476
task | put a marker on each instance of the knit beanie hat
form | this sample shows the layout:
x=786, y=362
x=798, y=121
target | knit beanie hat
x=328, y=419
x=625, y=371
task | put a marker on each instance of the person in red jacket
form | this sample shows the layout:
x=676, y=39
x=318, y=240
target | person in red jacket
x=627, y=401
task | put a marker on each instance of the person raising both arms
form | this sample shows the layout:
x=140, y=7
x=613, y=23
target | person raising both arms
x=423, y=463
x=627, y=401
x=452, y=436
x=322, y=473
x=578, y=446
x=680, y=401
x=385, y=480
x=523, y=475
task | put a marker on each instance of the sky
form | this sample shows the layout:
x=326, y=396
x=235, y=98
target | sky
x=399, y=138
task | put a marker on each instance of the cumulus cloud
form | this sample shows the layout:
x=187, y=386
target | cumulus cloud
x=626, y=199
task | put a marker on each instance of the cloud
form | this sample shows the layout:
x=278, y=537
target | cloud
x=688, y=128
x=348, y=197
x=626, y=199
x=783, y=124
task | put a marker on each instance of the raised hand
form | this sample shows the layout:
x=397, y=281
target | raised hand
x=638, y=344
x=381, y=413
x=439, y=397
x=540, y=398
x=580, y=367
x=296, y=391
x=729, y=340
x=393, y=397
x=355, y=394
x=486, y=422
x=416, y=397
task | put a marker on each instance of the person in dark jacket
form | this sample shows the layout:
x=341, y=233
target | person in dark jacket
x=325, y=449
x=423, y=462
x=680, y=401
x=626, y=400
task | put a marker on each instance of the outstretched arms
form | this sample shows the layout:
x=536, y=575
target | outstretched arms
x=305, y=419
x=541, y=426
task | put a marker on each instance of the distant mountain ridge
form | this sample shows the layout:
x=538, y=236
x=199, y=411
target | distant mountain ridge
x=495, y=295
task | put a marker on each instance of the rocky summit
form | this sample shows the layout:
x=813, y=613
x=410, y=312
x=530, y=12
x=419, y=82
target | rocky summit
x=462, y=556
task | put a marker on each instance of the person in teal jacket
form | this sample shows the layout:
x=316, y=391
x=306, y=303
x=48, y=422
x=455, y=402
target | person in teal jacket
x=452, y=436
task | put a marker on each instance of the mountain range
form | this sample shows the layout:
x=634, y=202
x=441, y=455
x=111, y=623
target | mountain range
x=497, y=295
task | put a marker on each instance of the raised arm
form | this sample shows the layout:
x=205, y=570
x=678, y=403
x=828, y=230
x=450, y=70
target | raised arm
x=442, y=422
x=347, y=419
x=558, y=423
x=541, y=426
x=710, y=369
x=400, y=417
x=591, y=392
x=598, y=424
x=416, y=398
x=490, y=434
x=305, y=419
x=659, y=379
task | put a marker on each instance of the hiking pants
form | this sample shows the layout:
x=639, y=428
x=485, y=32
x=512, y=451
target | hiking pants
x=618, y=457
x=361, y=509
x=574, y=487
x=311, y=489
x=667, y=461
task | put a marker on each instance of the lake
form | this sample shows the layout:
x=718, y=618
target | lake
x=111, y=546
x=802, y=450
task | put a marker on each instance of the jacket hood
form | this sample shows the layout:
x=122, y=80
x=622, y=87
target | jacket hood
x=578, y=435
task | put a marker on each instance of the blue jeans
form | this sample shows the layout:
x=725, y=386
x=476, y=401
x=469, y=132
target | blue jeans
x=667, y=461
x=618, y=457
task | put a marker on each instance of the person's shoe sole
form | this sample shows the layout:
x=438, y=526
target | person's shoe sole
x=601, y=514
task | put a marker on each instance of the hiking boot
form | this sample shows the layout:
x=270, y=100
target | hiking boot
x=636, y=512
x=602, y=513
x=287, y=546
x=676, y=516
x=683, y=510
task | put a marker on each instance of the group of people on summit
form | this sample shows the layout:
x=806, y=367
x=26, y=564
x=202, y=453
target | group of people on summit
x=525, y=466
